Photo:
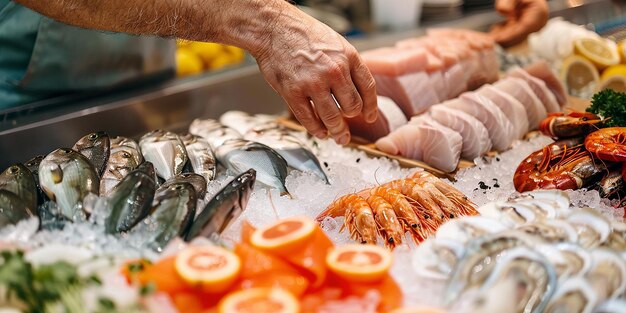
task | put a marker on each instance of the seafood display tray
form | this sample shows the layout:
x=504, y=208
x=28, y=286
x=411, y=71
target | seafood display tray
x=173, y=105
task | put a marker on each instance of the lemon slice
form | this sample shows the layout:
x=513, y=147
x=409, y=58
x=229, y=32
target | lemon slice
x=615, y=70
x=213, y=268
x=284, y=235
x=615, y=82
x=621, y=50
x=359, y=263
x=600, y=52
x=580, y=76
x=266, y=300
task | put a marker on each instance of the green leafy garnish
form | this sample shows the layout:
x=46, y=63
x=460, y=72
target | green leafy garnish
x=44, y=288
x=610, y=105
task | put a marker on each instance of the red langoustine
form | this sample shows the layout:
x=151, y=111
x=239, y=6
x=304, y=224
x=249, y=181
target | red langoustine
x=565, y=164
x=573, y=124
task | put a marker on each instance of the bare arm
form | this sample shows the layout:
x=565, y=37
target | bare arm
x=302, y=59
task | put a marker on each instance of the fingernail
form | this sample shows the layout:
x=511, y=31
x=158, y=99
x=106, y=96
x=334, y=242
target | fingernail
x=371, y=117
x=343, y=139
x=320, y=135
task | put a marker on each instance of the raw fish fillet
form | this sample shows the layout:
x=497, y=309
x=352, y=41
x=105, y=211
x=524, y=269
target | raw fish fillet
x=394, y=61
x=539, y=88
x=405, y=141
x=390, y=117
x=441, y=145
x=369, y=131
x=439, y=84
x=542, y=70
x=426, y=140
x=456, y=80
x=413, y=92
x=519, y=89
x=511, y=108
x=498, y=125
x=476, y=141
x=392, y=112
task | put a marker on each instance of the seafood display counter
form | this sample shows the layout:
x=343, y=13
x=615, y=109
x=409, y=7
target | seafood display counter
x=197, y=196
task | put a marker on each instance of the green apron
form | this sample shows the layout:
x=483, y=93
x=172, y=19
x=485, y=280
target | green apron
x=41, y=58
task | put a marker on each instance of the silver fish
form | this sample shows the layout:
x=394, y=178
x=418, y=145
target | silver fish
x=243, y=122
x=289, y=147
x=67, y=177
x=12, y=209
x=197, y=181
x=239, y=155
x=96, y=148
x=33, y=166
x=124, y=158
x=200, y=155
x=173, y=211
x=20, y=181
x=523, y=278
x=131, y=145
x=224, y=207
x=165, y=151
x=213, y=132
x=130, y=202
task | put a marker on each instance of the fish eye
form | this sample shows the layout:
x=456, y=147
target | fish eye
x=178, y=187
x=126, y=155
x=92, y=136
x=64, y=150
x=14, y=169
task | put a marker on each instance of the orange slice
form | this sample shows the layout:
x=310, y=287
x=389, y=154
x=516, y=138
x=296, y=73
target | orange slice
x=266, y=300
x=260, y=269
x=359, y=263
x=164, y=276
x=213, y=268
x=284, y=236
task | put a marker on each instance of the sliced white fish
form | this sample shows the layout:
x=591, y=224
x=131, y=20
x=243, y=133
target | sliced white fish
x=498, y=125
x=519, y=89
x=513, y=109
x=476, y=141
x=165, y=151
x=539, y=87
x=441, y=145
x=395, y=117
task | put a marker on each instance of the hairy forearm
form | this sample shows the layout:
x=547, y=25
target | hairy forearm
x=244, y=23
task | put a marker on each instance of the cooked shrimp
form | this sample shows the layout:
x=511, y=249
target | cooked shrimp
x=463, y=204
x=403, y=209
x=359, y=217
x=388, y=224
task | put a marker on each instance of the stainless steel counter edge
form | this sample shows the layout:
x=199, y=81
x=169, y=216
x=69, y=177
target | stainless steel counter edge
x=175, y=104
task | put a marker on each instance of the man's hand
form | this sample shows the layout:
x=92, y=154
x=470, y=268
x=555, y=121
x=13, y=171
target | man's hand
x=305, y=61
x=313, y=68
x=522, y=18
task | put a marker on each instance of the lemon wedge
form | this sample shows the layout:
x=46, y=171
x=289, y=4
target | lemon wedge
x=580, y=76
x=599, y=51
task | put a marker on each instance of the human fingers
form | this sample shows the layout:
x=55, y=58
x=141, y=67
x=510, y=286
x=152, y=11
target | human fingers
x=331, y=117
x=304, y=112
x=366, y=87
x=347, y=96
x=506, y=7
